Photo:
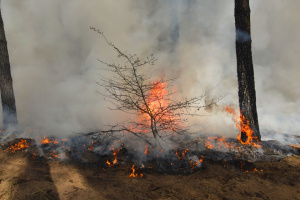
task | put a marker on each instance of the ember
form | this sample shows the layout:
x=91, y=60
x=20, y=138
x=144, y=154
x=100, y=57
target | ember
x=54, y=154
x=208, y=144
x=19, y=146
x=90, y=148
x=182, y=155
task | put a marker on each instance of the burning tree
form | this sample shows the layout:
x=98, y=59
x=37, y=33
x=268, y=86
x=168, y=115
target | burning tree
x=7, y=93
x=245, y=72
x=133, y=92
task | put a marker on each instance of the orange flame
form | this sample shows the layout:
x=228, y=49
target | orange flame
x=208, y=144
x=193, y=164
x=157, y=109
x=45, y=140
x=146, y=150
x=115, y=154
x=182, y=155
x=135, y=174
x=91, y=147
x=54, y=154
x=295, y=146
x=243, y=125
x=201, y=159
x=19, y=146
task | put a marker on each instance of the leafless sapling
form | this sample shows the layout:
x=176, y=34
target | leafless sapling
x=131, y=90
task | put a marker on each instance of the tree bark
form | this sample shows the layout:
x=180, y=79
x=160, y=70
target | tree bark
x=9, y=111
x=245, y=72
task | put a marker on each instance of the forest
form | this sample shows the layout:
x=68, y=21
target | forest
x=174, y=99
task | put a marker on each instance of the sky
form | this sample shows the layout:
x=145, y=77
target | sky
x=54, y=59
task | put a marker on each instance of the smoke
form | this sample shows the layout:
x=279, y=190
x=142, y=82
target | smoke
x=53, y=56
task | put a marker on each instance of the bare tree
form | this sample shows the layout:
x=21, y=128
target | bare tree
x=133, y=92
x=7, y=93
x=245, y=72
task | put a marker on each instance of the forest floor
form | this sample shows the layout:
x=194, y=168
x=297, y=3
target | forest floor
x=28, y=178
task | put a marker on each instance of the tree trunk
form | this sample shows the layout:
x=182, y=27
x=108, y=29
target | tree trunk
x=245, y=72
x=9, y=111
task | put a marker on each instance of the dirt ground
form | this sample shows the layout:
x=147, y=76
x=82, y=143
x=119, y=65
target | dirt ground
x=25, y=177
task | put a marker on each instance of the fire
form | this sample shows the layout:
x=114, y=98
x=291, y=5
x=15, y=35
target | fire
x=45, y=140
x=19, y=146
x=220, y=142
x=34, y=155
x=54, y=154
x=90, y=148
x=208, y=144
x=146, y=150
x=243, y=125
x=115, y=154
x=182, y=155
x=193, y=164
x=64, y=140
x=295, y=146
x=156, y=113
x=110, y=164
x=134, y=173
x=201, y=159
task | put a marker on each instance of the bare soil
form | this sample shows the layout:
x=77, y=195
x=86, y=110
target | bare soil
x=24, y=177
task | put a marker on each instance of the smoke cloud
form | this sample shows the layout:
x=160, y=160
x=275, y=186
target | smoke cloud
x=53, y=56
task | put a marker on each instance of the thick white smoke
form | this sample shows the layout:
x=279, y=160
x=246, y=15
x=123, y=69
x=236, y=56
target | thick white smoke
x=53, y=56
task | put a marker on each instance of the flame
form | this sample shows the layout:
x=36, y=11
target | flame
x=54, y=154
x=33, y=155
x=91, y=147
x=211, y=142
x=115, y=154
x=201, y=159
x=64, y=140
x=182, y=155
x=135, y=174
x=157, y=110
x=193, y=164
x=243, y=125
x=146, y=150
x=109, y=163
x=19, y=146
x=208, y=143
x=222, y=141
x=45, y=140
x=295, y=146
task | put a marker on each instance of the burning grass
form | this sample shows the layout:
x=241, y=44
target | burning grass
x=20, y=146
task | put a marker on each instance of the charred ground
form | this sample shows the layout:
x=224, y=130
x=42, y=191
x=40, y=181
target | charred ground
x=26, y=175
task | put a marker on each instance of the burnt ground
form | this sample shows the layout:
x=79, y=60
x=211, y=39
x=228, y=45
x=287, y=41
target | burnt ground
x=24, y=176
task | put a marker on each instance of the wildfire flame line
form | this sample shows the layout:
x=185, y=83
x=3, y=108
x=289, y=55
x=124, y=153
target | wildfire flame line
x=243, y=125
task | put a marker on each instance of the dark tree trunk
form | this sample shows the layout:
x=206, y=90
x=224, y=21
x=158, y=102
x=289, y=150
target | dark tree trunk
x=245, y=72
x=9, y=111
